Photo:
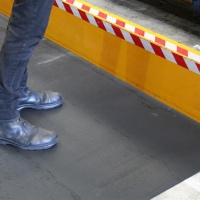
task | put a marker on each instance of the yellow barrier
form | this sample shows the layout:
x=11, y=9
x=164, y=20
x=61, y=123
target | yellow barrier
x=5, y=7
x=168, y=82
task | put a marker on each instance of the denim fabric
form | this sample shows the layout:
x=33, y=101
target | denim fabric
x=25, y=29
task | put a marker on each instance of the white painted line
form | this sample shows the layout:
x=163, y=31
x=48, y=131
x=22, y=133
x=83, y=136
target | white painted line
x=108, y=27
x=130, y=28
x=111, y=19
x=193, y=183
x=147, y=46
x=60, y=4
x=171, y=46
x=78, y=4
x=94, y=11
x=194, y=56
x=149, y=36
x=75, y=12
x=186, y=190
x=91, y=19
x=168, y=55
x=127, y=36
x=192, y=66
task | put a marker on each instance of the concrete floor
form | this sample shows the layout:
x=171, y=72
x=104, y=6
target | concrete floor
x=115, y=143
x=169, y=25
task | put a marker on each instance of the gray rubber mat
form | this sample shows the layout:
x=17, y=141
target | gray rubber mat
x=115, y=143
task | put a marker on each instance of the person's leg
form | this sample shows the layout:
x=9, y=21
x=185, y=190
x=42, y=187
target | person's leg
x=25, y=29
x=28, y=97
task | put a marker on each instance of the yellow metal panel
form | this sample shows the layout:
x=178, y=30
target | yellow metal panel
x=5, y=7
x=166, y=81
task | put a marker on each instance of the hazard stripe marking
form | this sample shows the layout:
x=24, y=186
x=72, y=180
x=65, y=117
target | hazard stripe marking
x=134, y=35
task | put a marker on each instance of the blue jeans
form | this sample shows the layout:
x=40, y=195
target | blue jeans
x=25, y=29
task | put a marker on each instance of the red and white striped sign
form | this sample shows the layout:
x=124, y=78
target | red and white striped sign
x=134, y=35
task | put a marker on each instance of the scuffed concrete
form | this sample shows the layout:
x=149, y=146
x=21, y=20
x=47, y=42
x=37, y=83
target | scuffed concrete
x=157, y=20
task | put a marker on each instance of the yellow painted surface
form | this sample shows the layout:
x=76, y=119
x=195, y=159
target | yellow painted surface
x=5, y=7
x=167, y=82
